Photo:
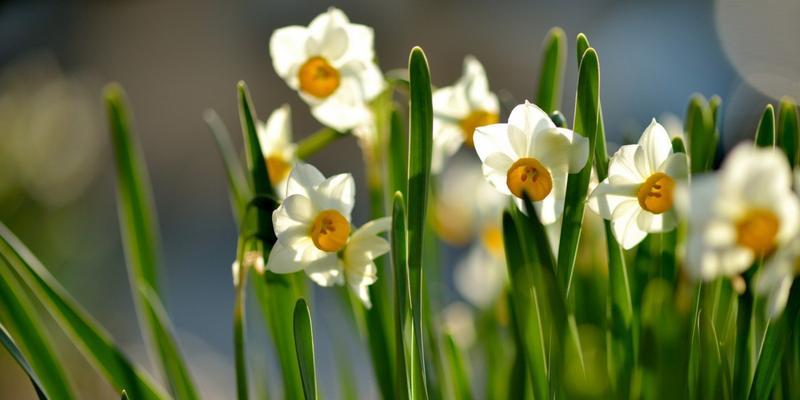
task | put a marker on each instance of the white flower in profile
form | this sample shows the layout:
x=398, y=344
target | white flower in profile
x=637, y=196
x=745, y=211
x=531, y=156
x=331, y=64
x=275, y=137
x=313, y=231
x=459, y=109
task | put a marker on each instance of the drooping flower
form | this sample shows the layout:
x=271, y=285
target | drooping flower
x=745, y=211
x=459, y=109
x=314, y=232
x=637, y=196
x=331, y=64
x=531, y=156
x=275, y=137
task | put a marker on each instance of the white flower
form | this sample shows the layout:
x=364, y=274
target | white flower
x=457, y=320
x=745, y=211
x=775, y=280
x=331, y=64
x=637, y=196
x=530, y=155
x=314, y=233
x=459, y=109
x=275, y=137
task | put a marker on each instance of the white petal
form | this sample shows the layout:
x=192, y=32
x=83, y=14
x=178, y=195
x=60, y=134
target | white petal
x=757, y=174
x=372, y=82
x=287, y=49
x=624, y=226
x=495, y=169
x=450, y=102
x=283, y=260
x=560, y=146
x=365, y=248
x=359, y=277
x=654, y=148
x=623, y=166
x=606, y=197
x=373, y=227
x=327, y=35
x=492, y=139
x=480, y=277
x=326, y=271
x=530, y=119
x=447, y=139
x=345, y=108
x=360, y=43
x=788, y=211
x=337, y=192
x=676, y=166
x=302, y=180
x=776, y=301
x=656, y=223
x=301, y=213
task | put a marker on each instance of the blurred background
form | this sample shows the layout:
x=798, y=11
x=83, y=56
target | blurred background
x=178, y=58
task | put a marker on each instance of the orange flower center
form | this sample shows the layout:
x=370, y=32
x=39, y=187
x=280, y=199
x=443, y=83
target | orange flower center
x=278, y=169
x=757, y=231
x=655, y=194
x=330, y=231
x=529, y=176
x=318, y=78
x=474, y=120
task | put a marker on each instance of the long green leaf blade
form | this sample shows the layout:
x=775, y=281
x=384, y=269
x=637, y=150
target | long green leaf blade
x=17, y=312
x=765, y=134
x=699, y=129
x=788, y=131
x=304, y=346
x=406, y=355
x=140, y=239
x=552, y=73
x=237, y=181
x=420, y=146
x=93, y=341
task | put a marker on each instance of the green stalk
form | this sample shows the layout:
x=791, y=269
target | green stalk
x=317, y=141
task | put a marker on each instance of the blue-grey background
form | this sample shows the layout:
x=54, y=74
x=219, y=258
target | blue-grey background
x=178, y=58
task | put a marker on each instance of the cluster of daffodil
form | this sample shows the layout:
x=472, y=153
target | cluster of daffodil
x=679, y=282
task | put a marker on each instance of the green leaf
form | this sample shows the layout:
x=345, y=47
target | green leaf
x=582, y=44
x=93, y=341
x=742, y=372
x=140, y=239
x=788, y=132
x=552, y=72
x=304, y=345
x=419, y=167
x=765, y=134
x=701, y=134
x=407, y=357
x=776, y=342
x=525, y=303
x=237, y=181
x=17, y=310
x=458, y=369
x=587, y=103
x=397, y=154
x=124, y=395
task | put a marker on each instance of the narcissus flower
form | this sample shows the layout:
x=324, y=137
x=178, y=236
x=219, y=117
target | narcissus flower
x=745, y=211
x=459, y=109
x=775, y=280
x=331, y=64
x=531, y=156
x=275, y=137
x=638, y=194
x=315, y=234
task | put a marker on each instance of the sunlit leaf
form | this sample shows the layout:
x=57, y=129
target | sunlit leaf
x=552, y=71
x=304, y=346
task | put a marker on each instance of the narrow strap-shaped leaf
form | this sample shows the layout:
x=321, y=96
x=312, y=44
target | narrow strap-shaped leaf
x=458, y=369
x=587, y=103
x=420, y=146
x=406, y=355
x=699, y=129
x=237, y=182
x=397, y=154
x=92, y=340
x=140, y=239
x=124, y=395
x=528, y=319
x=552, y=73
x=582, y=44
x=742, y=372
x=304, y=346
x=765, y=134
x=15, y=308
x=788, y=132
x=777, y=341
